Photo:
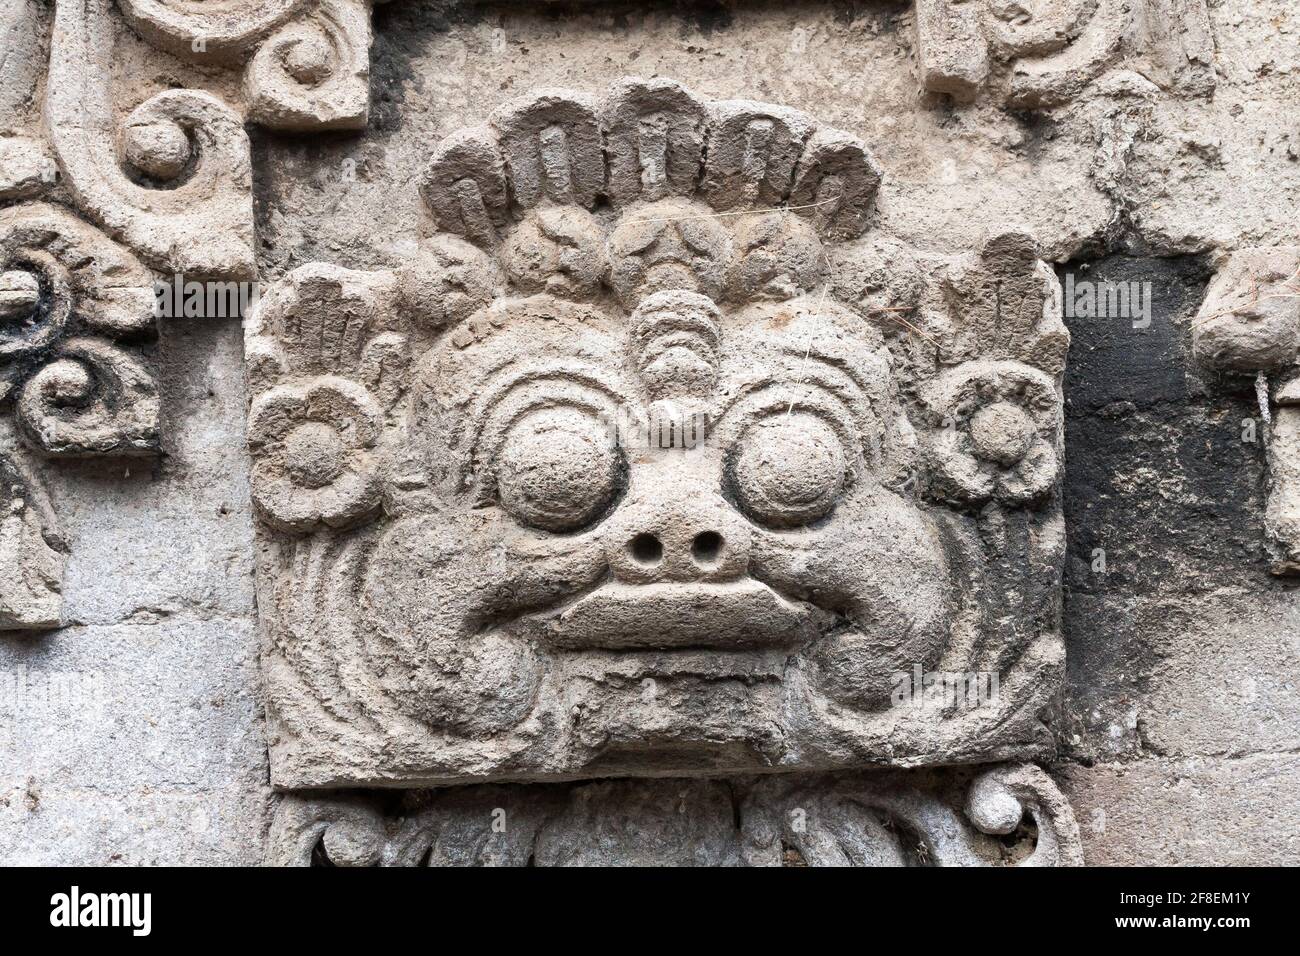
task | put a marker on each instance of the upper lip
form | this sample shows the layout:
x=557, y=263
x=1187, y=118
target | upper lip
x=735, y=614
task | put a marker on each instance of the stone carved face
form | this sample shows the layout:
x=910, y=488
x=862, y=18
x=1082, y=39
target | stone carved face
x=671, y=244
x=557, y=250
x=778, y=256
x=640, y=493
x=778, y=531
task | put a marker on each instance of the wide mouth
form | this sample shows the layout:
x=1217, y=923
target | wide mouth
x=727, y=615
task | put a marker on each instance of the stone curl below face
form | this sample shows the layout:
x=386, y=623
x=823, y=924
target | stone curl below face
x=1005, y=815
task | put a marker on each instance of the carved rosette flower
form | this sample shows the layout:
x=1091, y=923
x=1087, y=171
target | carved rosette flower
x=314, y=462
x=997, y=438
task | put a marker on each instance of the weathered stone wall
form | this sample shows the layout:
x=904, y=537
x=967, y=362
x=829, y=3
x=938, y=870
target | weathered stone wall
x=136, y=731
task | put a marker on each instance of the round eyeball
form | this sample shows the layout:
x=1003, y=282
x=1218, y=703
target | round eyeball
x=557, y=470
x=788, y=470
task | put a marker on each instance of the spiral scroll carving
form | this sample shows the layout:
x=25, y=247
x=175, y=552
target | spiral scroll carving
x=174, y=183
x=216, y=30
x=73, y=303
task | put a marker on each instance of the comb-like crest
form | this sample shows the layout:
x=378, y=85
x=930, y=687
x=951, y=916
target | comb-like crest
x=654, y=140
x=552, y=145
x=647, y=141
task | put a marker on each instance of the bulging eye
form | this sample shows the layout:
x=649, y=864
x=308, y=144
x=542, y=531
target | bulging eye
x=557, y=469
x=787, y=470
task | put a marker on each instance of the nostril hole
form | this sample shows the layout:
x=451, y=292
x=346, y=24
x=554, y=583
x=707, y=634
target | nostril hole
x=707, y=546
x=646, y=548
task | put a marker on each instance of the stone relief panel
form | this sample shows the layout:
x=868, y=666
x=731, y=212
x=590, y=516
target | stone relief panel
x=1009, y=815
x=610, y=478
x=1042, y=53
x=1249, y=325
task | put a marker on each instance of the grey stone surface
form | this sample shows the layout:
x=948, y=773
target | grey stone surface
x=133, y=743
x=1198, y=811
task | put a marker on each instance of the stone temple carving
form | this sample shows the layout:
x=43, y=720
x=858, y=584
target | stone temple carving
x=606, y=479
x=1041, y=53
x=173, y=182
x=73, y=303
x=1007, y=815
x=306, y=62
x=1249, y=324
x=75, y=308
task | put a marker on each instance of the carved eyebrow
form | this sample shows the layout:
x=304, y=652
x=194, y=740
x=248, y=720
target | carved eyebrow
x=503, y=382
x=841, y=377
x=775, y=394
x=823, y=371
x=845, y=399
x=499, y=403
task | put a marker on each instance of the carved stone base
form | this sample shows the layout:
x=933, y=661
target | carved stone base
x=1012, y=814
